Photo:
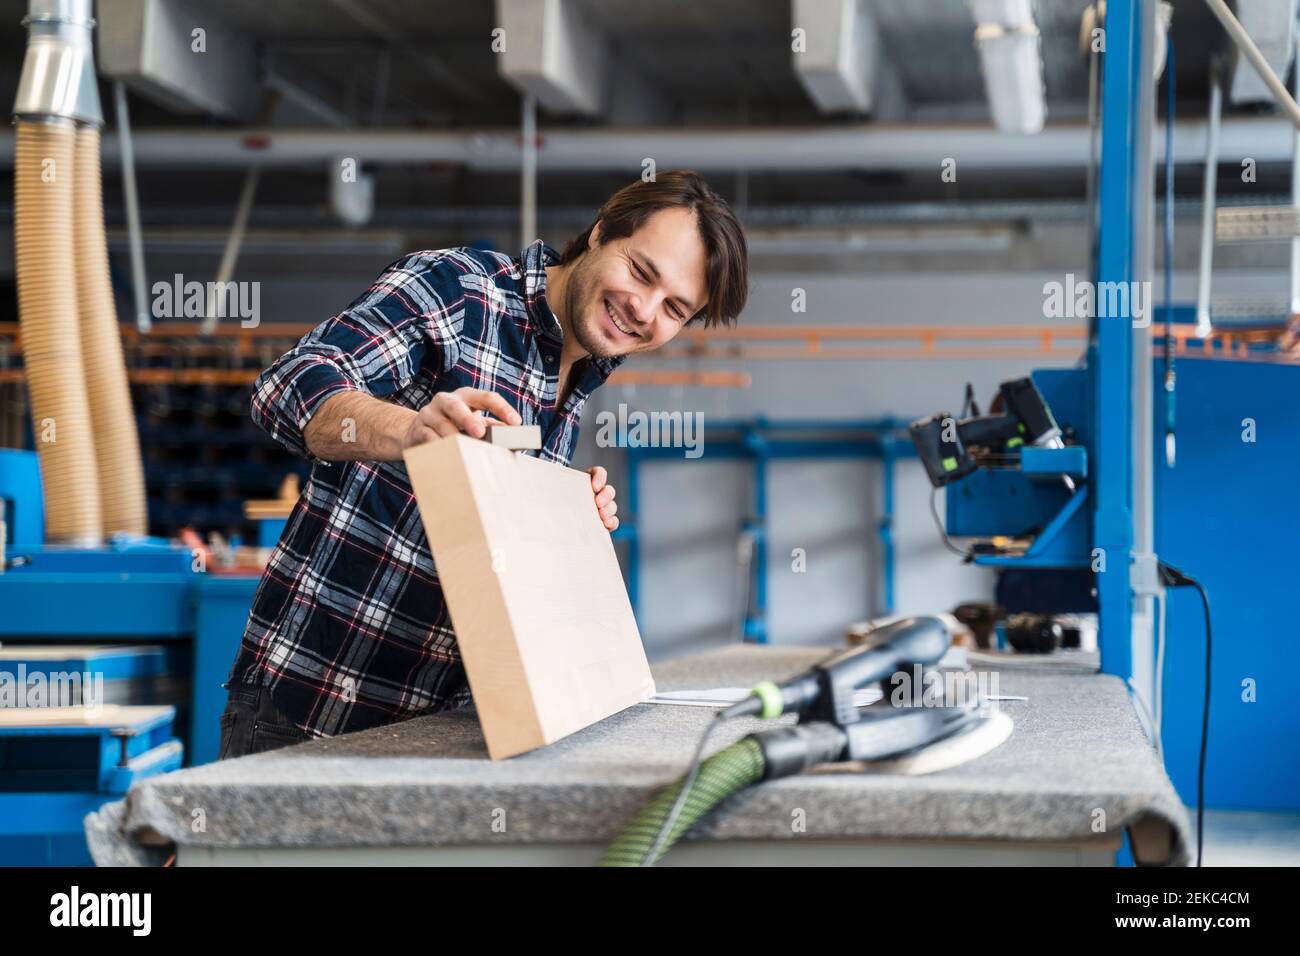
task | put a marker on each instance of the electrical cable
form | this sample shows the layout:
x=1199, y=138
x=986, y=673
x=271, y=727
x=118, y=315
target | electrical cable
x=1172, y=577
x=732, y=769
x=969, y=406
x=1170, y=377
x=667, y=827
x=659, y=846
x=943, y=532
x=1160, y=603
x=1205, y=730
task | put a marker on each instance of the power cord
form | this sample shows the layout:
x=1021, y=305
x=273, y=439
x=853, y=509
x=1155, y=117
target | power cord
x=1172, y=577
x=719, y=718
x=1171, y=85
x=671, y=819
x=943, y=532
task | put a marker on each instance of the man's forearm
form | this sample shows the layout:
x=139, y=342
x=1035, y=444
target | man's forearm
x=354, y=426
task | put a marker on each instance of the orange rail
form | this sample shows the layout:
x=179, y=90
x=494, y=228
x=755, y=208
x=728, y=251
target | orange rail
x=626, y=376
x=860, y=342
x=242, y=377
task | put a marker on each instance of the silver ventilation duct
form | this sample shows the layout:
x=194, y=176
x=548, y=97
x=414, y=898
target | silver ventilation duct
x=58, y=77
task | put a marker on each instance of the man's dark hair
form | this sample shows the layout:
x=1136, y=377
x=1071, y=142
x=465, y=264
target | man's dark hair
x=727, y=266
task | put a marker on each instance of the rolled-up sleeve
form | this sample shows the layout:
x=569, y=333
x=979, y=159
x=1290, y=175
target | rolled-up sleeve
x=410, y=317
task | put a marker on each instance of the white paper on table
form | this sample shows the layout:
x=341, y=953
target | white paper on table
x=953, y=659
x=726, y=696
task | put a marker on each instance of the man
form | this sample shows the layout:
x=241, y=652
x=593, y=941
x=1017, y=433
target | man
x=348, y=628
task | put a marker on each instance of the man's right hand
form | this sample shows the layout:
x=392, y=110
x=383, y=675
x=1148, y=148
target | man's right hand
x=354, y=426
x=458, y=411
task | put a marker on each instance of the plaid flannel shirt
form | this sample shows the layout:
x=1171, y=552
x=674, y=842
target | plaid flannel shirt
x=348, y=628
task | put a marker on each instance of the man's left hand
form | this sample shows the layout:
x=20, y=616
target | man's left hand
x=606, y=506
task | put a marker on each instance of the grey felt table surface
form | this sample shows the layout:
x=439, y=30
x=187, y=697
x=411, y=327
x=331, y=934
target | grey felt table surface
x=1078, y=755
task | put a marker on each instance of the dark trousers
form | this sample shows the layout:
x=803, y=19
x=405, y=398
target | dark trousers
x=251, y=724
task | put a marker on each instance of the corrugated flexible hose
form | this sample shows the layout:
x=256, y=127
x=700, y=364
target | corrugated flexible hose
x=728, y=771
x=117, y=444
x=48, y=316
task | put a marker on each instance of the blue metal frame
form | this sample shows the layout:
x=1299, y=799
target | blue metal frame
x=1051, y=547
x=1110, y=352
x=1096, y=399
x=20, y=482
x=758, y=442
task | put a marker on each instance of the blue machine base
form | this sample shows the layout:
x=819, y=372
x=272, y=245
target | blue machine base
x=1226, y=514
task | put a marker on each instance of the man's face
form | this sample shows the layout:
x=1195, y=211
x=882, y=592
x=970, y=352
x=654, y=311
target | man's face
x=636, y=293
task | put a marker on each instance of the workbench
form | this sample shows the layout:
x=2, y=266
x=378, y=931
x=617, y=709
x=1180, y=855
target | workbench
x=1076, y=774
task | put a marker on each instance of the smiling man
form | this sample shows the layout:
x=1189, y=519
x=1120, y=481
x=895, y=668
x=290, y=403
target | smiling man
x=348, y=628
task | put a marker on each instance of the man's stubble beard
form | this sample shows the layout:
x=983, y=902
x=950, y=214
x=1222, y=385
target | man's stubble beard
x=581, y=289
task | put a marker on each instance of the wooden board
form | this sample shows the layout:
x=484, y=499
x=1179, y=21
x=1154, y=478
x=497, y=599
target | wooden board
x=534, y=588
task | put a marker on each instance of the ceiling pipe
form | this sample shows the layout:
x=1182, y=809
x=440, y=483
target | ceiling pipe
x=1209, y=188
x=758, y=149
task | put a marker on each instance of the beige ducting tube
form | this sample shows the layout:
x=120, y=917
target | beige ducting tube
x=117, y=444
x=47, y=309
x=72, y=350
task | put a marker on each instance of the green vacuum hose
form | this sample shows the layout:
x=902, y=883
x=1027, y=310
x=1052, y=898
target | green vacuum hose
x=729, y=770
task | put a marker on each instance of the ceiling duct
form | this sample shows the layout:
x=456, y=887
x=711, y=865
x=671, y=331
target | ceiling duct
x=180, y=55
x=1271, y=24
x=58, y=75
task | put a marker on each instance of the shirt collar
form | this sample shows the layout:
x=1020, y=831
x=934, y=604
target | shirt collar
x=534, y=261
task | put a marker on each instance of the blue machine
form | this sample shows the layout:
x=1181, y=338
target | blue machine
x=52, y=776
x=1226, y=514
x=132, y=591
x=1222, y=514
x=135, y=591
x=1090, y=526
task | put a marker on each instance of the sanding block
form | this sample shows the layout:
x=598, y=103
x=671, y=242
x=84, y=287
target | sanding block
x=514, y=437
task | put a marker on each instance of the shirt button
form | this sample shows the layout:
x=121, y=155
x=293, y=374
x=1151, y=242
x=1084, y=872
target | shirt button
x=550, y=358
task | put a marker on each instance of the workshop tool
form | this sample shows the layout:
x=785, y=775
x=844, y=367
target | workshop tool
x=951, y=449
x=1034, y=633
x=831, y=730
x=981, y=617
x=876, y=631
